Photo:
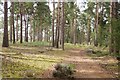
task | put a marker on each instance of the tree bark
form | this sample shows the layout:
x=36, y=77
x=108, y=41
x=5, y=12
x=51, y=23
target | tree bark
x=38, y=31
x=96, y=25
x=115, y=19
x=110, y=29
x=62, y=27
x=88, y=31
x=75, y=22
x=11, y=28
x=41, y=35
x=26, y=28
x=58, y=25
x=53, y=42
x=5, y=36
x=21, y=36
x=47, y=34
x=34, y=32
x=17, y=28
x=13, y=23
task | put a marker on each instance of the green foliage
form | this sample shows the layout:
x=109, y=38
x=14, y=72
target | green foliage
x=116, y=32
x=100, y=54
x=63, y=71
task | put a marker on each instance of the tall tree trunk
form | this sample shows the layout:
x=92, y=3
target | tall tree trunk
x=21, y=36
x=11, y=28
x=47, y=33
x=110, y=29
x=41, y=35
x=31, y=30
x=38, y=31
x=115, y=19
x=62, y=27
x=13, y=22
x=88, y=31
x=75, y=24
x=5, y=36
x=82, y=39
x=26, y=28
x=101, y=25
x=71, y=30
x=45, y=36
x=96, y=25
x=53, y=42
x=58, y=25
x=17, y=28
x=34, y=32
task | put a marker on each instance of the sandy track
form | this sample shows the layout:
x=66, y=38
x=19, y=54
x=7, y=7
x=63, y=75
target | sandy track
x=85, y=66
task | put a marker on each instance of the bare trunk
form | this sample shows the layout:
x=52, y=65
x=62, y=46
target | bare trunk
x=62, y=27
x=58, y=25
x=21, y=36
x=53, y=42
x=5, y=36
x=96, y=25
x=38, y=32
x=26, y=39
x=110, y=29
x=41, y=35
x=34, y=32
x=11, y=28
x=13, y=22
x=47, y=34
x=26, y=28
x=75, y=22
x=17, y=28
x=88, y=32
x=31, y=31
x=71, y=30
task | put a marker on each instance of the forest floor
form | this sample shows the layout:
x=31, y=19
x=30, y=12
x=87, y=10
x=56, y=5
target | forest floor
x=85, y=66
x=28, y=60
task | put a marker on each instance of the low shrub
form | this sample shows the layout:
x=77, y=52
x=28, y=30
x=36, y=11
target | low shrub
x=63, y=71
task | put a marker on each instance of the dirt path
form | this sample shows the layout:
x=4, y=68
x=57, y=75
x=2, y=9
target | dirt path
x=85, y=66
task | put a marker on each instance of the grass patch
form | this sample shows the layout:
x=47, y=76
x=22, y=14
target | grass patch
x=72, y=46
x=99, y=54
x=12, y=69
x=29, y=64
x=32, y=44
